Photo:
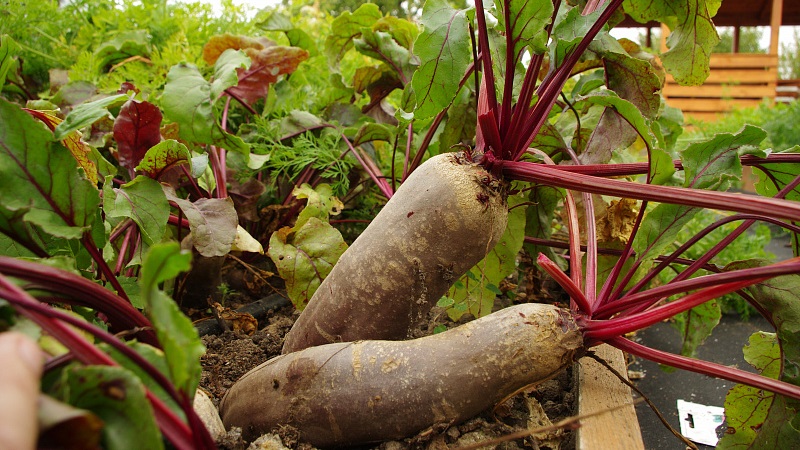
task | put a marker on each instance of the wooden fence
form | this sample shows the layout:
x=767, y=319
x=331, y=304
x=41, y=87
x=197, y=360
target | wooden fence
x=736, y=80
x=788, y=90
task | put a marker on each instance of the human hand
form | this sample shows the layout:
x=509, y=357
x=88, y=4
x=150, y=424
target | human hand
x=21, y=371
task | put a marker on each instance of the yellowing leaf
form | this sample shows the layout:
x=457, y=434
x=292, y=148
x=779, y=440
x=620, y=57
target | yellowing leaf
x=79, y=149
x=304, y=257
x=244, y=242
x=617, y=224
x=217, y=45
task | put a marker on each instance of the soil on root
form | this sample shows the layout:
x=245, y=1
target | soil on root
x=230, y=355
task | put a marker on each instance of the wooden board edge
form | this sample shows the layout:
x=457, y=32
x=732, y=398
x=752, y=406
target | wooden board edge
x=598, y=390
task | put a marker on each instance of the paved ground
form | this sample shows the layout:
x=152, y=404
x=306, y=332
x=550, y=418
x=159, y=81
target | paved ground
x=664, y=389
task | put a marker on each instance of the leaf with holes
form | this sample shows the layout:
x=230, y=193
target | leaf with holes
x=693, y=35
x=305, y=256
x=759, y=419
x=118, y=398
x=162, y=157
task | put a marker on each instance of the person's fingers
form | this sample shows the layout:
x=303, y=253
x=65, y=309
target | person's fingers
x=20, y=372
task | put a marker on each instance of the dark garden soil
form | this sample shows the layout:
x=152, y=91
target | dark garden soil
x=232, y=353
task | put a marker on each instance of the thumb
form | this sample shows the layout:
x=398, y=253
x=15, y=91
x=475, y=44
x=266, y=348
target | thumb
x=21, y=371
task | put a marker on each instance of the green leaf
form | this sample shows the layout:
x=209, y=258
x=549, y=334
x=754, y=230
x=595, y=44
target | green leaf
x=693, y=35
x=8, y=50
x=321, y=203
x=163, y=262
x=143, y=201
x=212, y=221
x=118, y=398
x=18, y=237
x=715, y=164
x=403, y=31
x=569, y=28
x=549, y=140
x=381, y=46
x=746, y=408
x=225, y=71
x=187, y=101
x=122, y=46
x=372, y=132
x=86, y=114
x=539, y=220
x=155, y=357
x=461, y=122
x=444, y=51
x=478, y=287
x=42, y=178
x=774, y=177
x=528, y=22
x=696, y=325
x=636, y=81
x=304, y=256
x=347, y=27
x=175, y=332
x=761, y=419
x=164, y=156
x=628, y=111
x=278, y=21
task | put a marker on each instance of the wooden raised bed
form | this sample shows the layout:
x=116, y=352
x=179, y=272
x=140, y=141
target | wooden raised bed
x=601, y=390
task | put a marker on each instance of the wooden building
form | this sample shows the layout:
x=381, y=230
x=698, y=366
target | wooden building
x=737, y=79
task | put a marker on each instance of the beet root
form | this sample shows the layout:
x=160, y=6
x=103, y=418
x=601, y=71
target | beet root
x=442, y=221
x=369, y=391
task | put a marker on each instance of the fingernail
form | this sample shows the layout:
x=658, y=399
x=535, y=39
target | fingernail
x=30, y=353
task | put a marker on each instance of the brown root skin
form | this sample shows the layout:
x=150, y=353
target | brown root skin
x=369, y=391
x=442, y=221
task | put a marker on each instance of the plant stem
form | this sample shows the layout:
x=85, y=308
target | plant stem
x=91, y=247
x=80, y=291
x=652, y=296
x=706, y=368
x=569, y=285
x=544, y=174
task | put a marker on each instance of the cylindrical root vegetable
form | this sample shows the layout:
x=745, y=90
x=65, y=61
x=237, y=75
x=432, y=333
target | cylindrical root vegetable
x=442, y=221
x=368, y=391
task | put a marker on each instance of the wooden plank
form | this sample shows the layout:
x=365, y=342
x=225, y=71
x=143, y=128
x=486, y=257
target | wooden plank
x=737, y=76
x=710, y=104
x=719, y=91
x=599, y=391
x=702, y=116
x=775, y=25
x=742, y=60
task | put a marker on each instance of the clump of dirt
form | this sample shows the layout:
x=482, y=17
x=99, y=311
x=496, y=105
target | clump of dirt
x=230, y=355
